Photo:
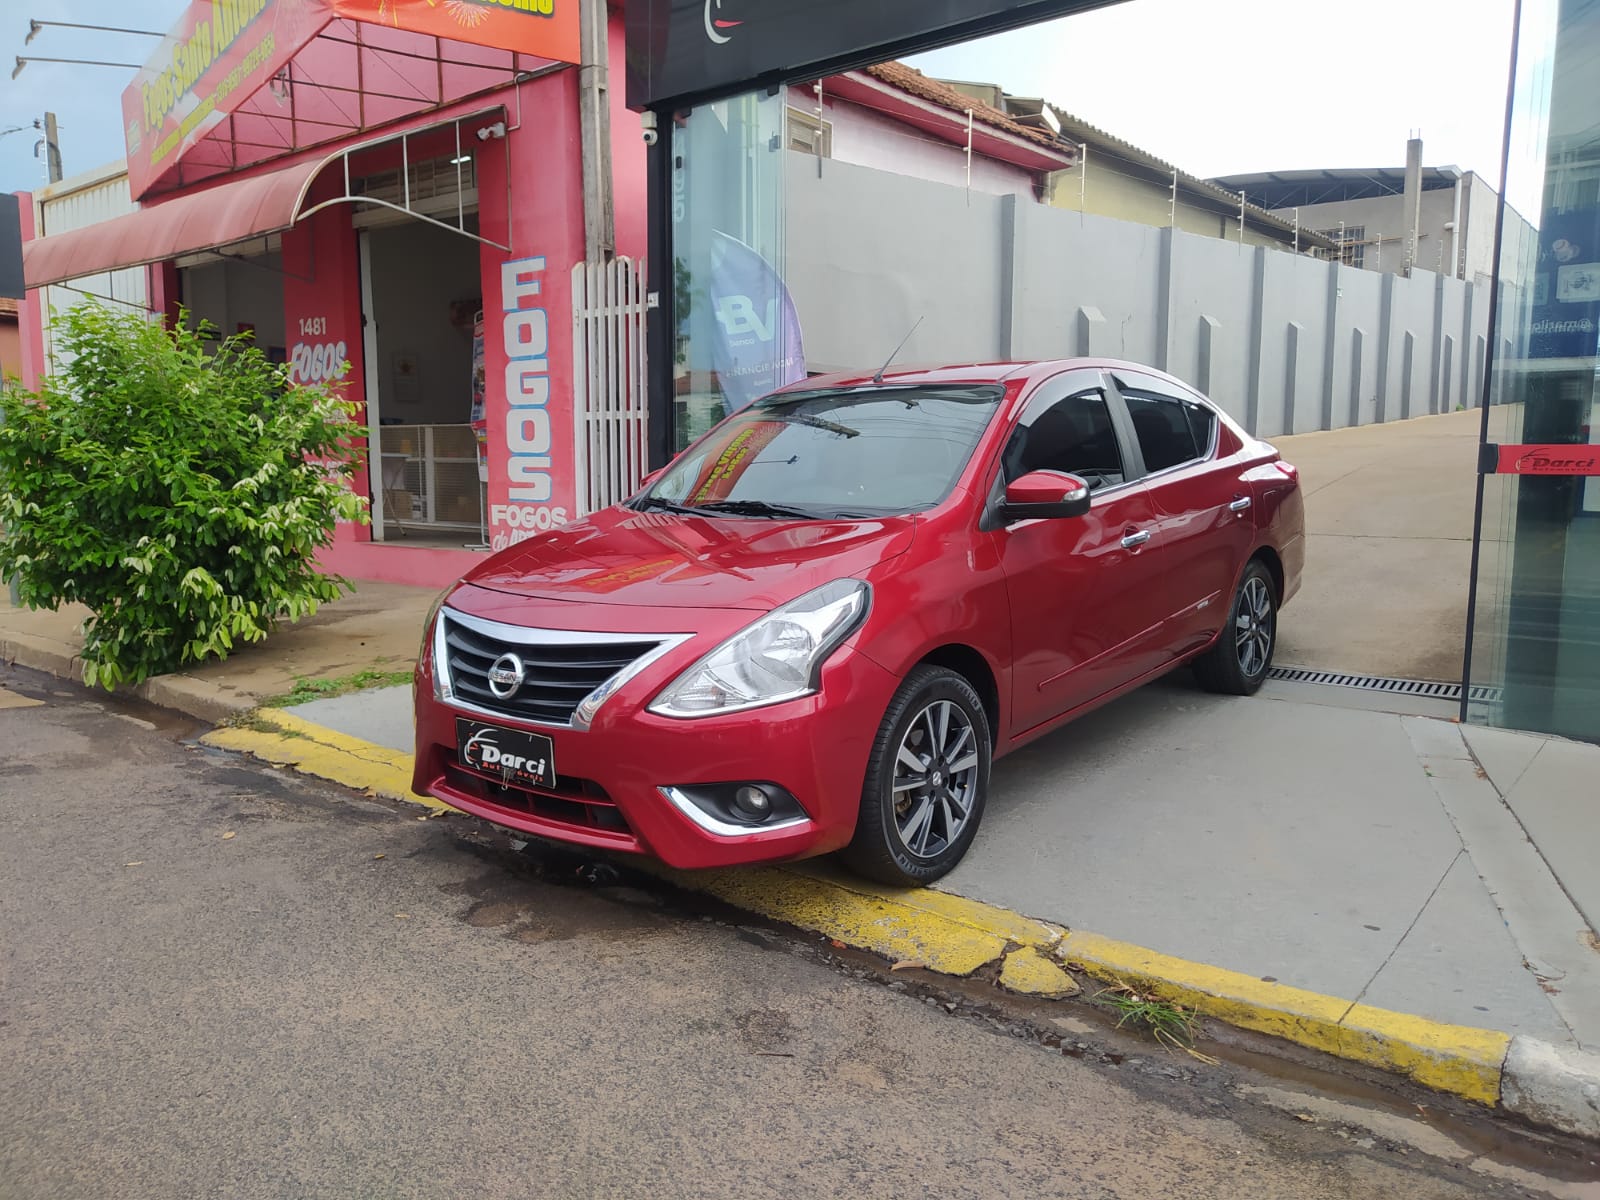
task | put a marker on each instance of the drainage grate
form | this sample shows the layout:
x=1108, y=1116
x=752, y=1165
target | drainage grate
x=1426, y=688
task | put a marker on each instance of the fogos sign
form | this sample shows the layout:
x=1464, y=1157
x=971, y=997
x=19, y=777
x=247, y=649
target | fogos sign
x=529, y=467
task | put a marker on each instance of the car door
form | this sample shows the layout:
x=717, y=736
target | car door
x=1203, y=524
x=1081, y=588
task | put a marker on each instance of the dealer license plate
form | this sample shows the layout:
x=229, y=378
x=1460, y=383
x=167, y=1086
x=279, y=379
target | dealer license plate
x=509, y=755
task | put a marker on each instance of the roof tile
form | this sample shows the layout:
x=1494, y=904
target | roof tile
x=909, y=79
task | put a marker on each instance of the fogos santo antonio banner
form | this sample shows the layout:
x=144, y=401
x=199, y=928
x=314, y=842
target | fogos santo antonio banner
x=222, y=53
x=186, y=58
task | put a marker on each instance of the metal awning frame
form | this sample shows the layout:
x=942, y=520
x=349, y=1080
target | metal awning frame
x=404, y=138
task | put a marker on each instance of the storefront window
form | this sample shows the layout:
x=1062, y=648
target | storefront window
x=736, y=333
x=1536, y=636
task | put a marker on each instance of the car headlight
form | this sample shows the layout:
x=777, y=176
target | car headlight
x=427, y=622
x=774, y=659
x=429, y=640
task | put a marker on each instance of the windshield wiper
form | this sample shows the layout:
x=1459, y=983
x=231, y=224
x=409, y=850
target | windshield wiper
x=657, y=504
x=820, y=423
x=756, y=508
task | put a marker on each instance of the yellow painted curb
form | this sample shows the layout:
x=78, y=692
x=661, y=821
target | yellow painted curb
x=1449, y=1058
x=315, y=750
x=948, y=934
x=956, y=936
x=1029, y=973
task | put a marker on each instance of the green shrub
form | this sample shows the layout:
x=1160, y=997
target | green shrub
x=180, y=493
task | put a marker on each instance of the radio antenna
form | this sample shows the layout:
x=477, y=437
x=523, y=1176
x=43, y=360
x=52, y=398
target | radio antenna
x=878, y=378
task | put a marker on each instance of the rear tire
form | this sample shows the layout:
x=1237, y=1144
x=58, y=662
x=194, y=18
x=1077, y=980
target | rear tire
x=927, y=781
x=1237, y=663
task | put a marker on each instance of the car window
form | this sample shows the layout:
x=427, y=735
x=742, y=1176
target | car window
x=1073, y=435
x=1169, y=432
x=893, y=448
x=1202, y=423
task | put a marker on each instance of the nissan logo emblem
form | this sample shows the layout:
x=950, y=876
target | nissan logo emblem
x=506, y=676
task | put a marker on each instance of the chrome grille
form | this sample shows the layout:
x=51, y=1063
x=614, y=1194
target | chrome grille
x=558, y=673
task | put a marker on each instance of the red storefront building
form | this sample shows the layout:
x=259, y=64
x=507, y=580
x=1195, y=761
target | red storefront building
x=392, y=193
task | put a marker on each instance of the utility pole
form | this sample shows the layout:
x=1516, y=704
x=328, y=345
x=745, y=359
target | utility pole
x=594, y=115
x=52, y=147
x=1241, y=218
x=1412, y=200
x=1172, y=204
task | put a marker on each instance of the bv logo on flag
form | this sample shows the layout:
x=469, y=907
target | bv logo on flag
x=758, y=347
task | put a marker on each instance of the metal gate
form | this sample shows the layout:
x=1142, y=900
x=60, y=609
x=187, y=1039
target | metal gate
x=609, y=400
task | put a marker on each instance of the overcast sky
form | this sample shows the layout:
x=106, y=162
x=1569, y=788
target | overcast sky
x=87, y=101
x=1214, y=86
x=1219, y=87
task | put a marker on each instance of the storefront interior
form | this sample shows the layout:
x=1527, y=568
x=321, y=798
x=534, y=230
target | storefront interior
x=422, y=296
x=422, y=300
x=238, y=291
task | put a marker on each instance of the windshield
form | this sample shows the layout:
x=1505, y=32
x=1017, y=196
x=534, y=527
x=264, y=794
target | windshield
x=864, y=452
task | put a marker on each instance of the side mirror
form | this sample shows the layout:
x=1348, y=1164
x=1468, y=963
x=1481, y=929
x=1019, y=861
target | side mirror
x=1044, y=495
x=651, y=478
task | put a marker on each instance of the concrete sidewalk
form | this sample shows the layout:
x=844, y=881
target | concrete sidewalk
x=1355, y=853
x=1297, y=837
x=1388, y=547
x=376, y=628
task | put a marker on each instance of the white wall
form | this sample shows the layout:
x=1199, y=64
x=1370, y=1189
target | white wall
x=74, y=203
x=869, y=139
x=1385, y=216
x=1284, y=342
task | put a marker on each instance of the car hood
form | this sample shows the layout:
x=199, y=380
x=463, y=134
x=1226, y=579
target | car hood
x=667, y=560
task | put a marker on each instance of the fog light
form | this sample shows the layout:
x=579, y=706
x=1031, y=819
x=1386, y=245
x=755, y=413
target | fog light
x=738, y=808
x=753, y=802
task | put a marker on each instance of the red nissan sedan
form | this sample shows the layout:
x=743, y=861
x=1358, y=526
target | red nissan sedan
x=820, y=624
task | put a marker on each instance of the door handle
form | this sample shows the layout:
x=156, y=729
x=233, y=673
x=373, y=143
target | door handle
x=1134, y=540
x=1239, y=505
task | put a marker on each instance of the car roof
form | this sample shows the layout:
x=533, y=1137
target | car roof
x=1028, y=371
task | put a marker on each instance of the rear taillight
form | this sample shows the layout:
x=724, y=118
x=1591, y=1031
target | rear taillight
x=1289, y=470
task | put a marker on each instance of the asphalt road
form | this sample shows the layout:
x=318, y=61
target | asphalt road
x=220, y=981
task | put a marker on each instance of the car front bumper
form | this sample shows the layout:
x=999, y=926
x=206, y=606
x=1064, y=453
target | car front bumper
x=619, y=783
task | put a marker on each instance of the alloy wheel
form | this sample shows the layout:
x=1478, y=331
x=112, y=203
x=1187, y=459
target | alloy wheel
x=1253, y=627
x=935, y=778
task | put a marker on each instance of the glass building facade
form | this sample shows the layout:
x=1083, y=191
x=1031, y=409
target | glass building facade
x=727, y=192
x=1534, y=660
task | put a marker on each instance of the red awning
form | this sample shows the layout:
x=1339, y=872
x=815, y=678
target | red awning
x=188, y=224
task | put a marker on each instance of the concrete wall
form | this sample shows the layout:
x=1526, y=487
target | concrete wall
x=1383, y=217
x=1285, y=343
x=870, y=252
x=1113, y=189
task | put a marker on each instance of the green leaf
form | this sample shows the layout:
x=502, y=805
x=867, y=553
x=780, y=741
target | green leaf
x=177, y=488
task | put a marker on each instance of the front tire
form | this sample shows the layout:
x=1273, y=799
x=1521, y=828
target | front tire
x=1237, y=663
x=927, y=781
